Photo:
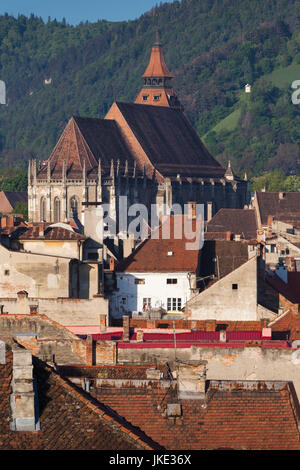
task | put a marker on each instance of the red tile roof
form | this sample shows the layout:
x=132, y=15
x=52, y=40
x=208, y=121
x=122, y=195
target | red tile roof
x=87, y=140
x=236, y=221
x=289, y=324
x=152, y=254
x=291, y=290
x=69, y=418
x=271, y=204
x=50, y=233
x=235, y=415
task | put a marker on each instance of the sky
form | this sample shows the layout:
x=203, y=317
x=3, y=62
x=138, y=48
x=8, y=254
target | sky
x=76, y=11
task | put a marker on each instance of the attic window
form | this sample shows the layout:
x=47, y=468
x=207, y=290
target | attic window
x=170, y=253
x=171, y=281
x=156, y=97
x=6, y=272
x=235, y=286
x=145, y=97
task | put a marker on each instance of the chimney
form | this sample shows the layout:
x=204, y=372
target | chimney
x=223, y=336
x=103, y=318
x=266, y=333
x=41, y=231
x=209, y=211
x=191, y=210
x=228, y=236
x=3, y=221
x=282, y=271
x=270, y=220
x=192, y=380
x=23, y=400
x=89, y=350
x=140, y=336
x=126, y=328
x=111, y=263
x=10, y=221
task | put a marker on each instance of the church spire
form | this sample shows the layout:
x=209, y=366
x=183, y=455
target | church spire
x=157, y=89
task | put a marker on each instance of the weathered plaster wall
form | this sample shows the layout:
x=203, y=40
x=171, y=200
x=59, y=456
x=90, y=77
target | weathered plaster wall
x=249, y=363
x=222, y=302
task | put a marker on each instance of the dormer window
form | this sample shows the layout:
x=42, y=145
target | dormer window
x=156, y=97
x=145, y=97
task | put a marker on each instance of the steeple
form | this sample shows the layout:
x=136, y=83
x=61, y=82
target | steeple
x=157, y=89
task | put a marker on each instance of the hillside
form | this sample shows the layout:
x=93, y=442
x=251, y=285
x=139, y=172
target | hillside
x=213, y=48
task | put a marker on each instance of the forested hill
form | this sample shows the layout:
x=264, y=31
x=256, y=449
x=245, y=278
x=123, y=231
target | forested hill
x=214, y=47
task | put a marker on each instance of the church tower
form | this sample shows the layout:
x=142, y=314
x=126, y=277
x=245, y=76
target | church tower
x=157, y=89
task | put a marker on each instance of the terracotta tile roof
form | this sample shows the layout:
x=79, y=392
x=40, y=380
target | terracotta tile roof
x=236, y=221
x=271, y=204
x=289, y=324
x=162, y=255
x=291, y=290
x=230, y=255
x=157, y=66
x=237, y=415
x=169, y=140
x=69, y=418
x=50, y=233
x=87, y=140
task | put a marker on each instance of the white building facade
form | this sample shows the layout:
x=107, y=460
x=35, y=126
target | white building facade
x=141, y=292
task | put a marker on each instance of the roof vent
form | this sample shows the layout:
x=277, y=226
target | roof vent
x=173, y=409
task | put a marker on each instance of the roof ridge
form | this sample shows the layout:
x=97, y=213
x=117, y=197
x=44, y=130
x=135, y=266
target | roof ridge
x=104, y=412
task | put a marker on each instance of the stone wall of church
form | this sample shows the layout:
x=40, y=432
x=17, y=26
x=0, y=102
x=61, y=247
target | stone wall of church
x=44, y=197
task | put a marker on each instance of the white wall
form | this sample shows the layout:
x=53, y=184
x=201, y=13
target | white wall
x=155, y=288
x=222, y=302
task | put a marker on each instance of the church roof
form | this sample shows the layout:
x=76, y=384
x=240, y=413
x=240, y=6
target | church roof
x=86, y=140
x=162, y=140
x=157, y=66
x=169, y=140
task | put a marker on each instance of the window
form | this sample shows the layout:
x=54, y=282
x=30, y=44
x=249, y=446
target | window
x=235, y=286
x=93, y=255
x=146, y=303
x=156, y=97
x=6, y=272
x=174, y=304
x=43, y=210
x=171, y=281
x=145, y=97
x=74, y=207
x=56, y=209
x=139, y=281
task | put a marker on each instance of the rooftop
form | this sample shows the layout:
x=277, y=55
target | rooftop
x=69, y=418
x=236, y=221
x=234, y=415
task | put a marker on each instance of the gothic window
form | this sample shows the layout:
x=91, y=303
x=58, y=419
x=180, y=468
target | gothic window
x=43, y=209
x=74, y=206
x=56, y=210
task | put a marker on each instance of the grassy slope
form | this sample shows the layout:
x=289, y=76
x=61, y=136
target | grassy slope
x=281, y=78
